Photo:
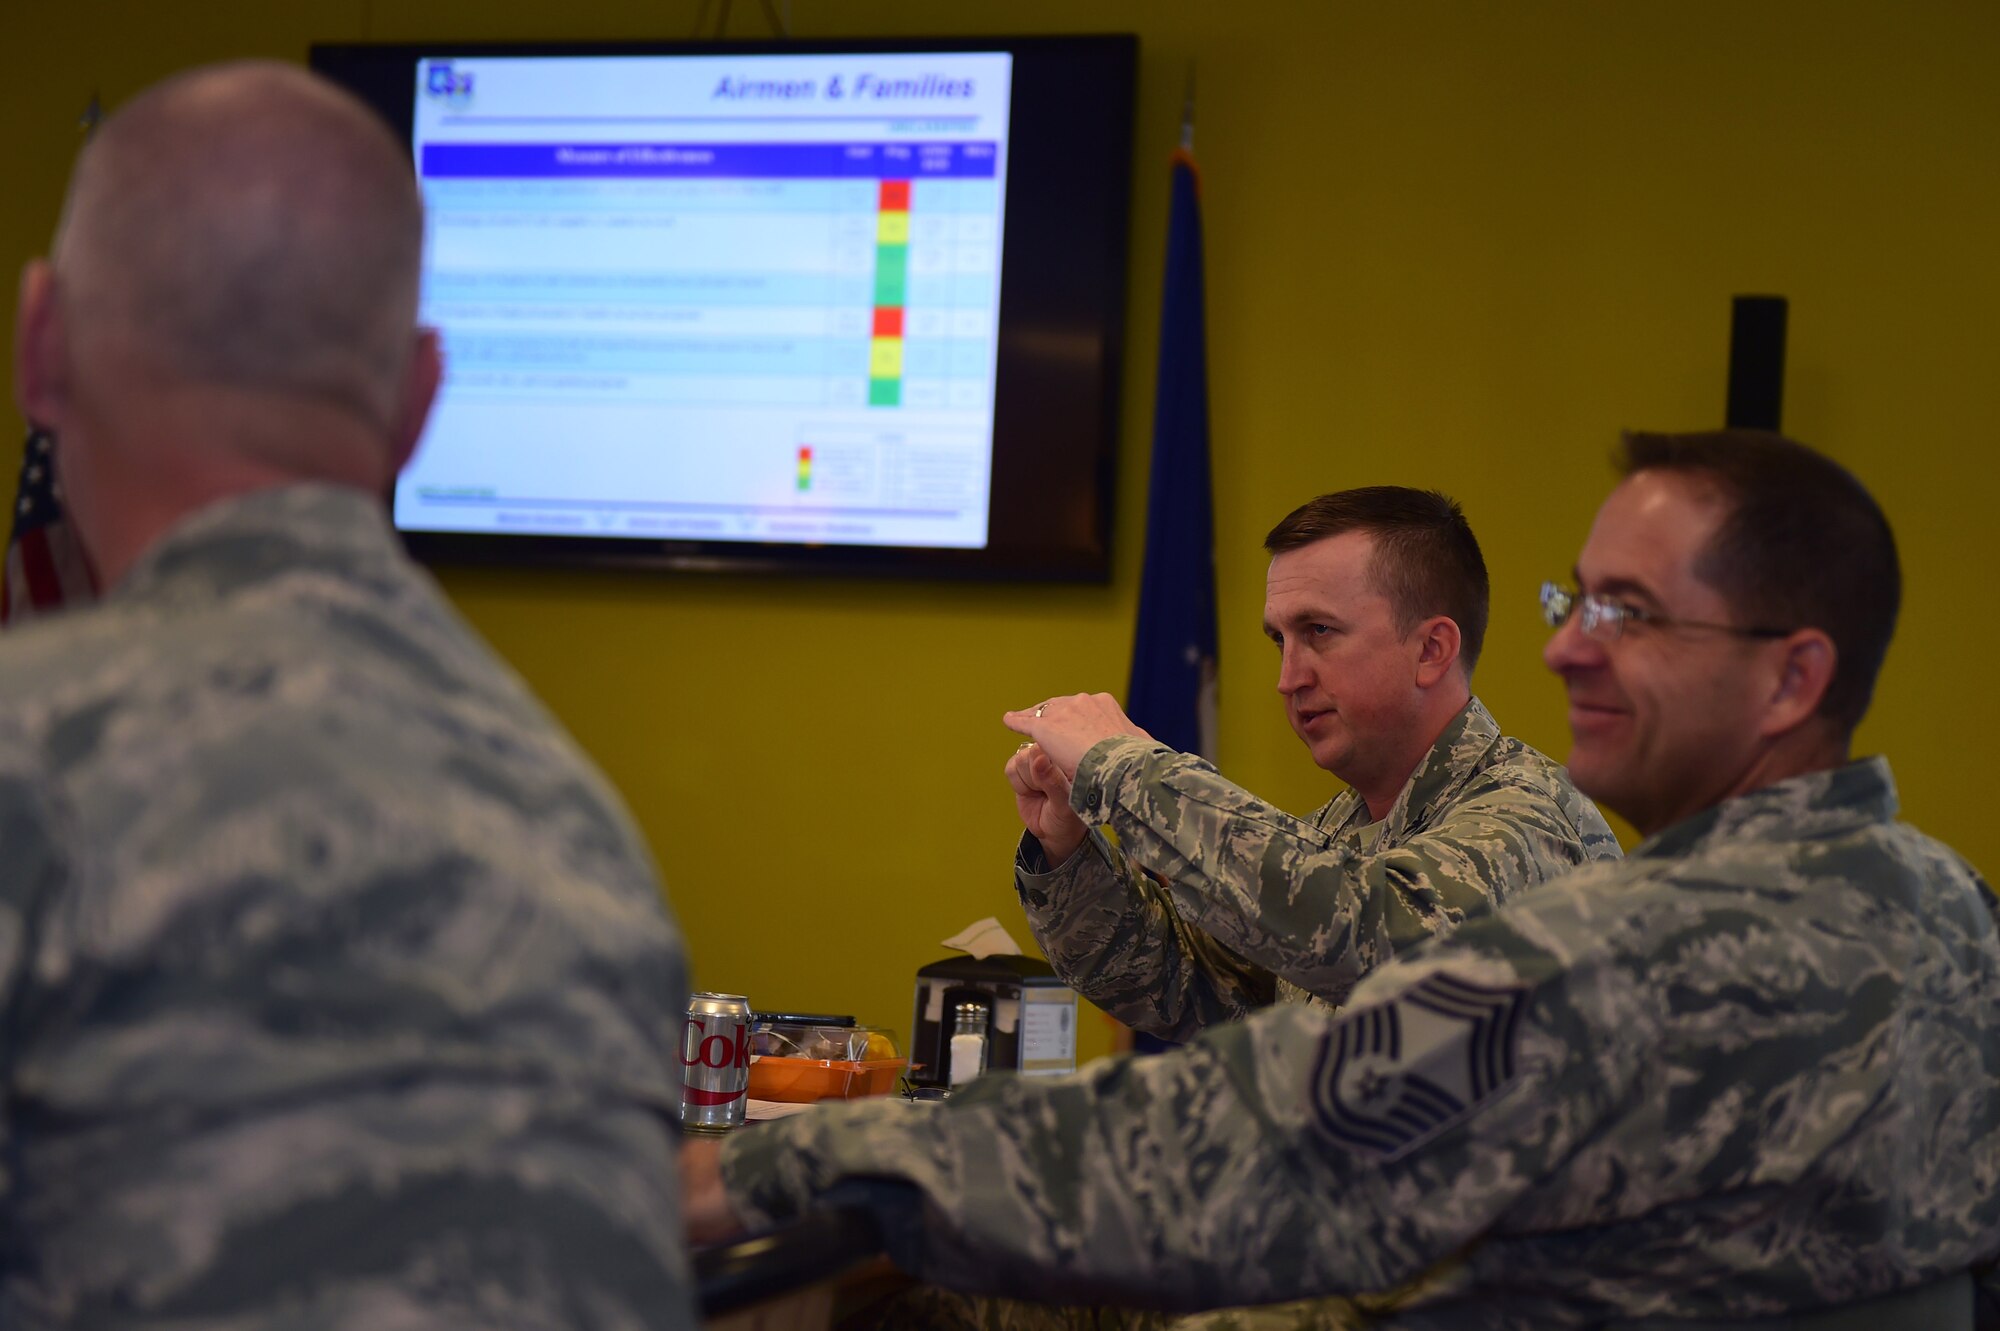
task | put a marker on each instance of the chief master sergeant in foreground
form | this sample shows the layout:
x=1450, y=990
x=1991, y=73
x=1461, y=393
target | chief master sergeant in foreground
x=335, y=985
x=1751, y=1071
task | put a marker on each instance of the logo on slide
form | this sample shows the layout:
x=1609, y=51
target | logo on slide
x=441, y=80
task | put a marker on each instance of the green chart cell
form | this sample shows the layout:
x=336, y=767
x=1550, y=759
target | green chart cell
x=885, y=392
x=892, y=266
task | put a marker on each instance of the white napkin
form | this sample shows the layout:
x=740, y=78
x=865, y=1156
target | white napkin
x=985, y=938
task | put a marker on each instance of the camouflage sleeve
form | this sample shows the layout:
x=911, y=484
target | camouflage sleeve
x=1292, y=898
x=1296, y=1154
x=31, y=869
x=1113, y=935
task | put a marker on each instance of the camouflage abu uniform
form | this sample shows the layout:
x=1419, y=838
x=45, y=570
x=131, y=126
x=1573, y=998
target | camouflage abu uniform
x=1752, y=1070
x=337, y=990
x=1247, y=904
x=1241, y=893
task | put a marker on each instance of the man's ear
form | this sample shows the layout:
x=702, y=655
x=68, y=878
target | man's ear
x=1805, y=671
x=41, y=352
x=1437, y=649
x=420, y=385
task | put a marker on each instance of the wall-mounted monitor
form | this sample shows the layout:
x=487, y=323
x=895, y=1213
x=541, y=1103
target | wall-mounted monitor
x=818, y=306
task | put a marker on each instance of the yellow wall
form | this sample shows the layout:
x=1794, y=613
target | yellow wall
x=1452, y=244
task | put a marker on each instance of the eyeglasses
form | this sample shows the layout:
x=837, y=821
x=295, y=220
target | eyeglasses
x=1605, y=619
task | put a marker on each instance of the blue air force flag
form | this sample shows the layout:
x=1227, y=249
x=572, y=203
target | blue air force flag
x=1173, y=688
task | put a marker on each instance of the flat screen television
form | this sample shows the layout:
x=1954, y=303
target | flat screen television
x=848, y=306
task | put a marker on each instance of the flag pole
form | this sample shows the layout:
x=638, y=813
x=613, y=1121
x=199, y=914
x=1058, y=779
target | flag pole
x=1187, y=113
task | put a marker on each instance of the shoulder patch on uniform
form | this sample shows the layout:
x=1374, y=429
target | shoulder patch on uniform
x=1392, y=1076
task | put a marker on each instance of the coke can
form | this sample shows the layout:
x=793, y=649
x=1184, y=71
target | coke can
x=715, y=1062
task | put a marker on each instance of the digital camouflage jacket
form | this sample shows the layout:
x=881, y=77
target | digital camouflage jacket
x=1752, y=1070
x=1212, y=903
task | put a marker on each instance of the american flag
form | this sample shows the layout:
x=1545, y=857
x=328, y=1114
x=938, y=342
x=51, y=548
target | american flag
x=46, y=568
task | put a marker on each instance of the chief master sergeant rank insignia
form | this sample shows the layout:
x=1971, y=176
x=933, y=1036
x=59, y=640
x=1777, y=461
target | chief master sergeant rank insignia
x=1392, y=1076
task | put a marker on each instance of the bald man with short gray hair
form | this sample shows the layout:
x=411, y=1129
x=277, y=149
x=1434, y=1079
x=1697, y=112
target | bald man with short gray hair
x=231, y=303
x=337, y=987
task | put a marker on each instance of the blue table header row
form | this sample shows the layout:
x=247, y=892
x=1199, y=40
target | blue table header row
x=884, y=161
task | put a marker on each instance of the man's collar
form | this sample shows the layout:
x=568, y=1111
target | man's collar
x=242, y=537
x=1818, y=804
x=1452, y=758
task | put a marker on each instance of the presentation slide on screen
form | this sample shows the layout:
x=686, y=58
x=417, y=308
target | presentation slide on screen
x=745, y=298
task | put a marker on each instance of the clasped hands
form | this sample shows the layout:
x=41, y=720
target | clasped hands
x=1060, y=731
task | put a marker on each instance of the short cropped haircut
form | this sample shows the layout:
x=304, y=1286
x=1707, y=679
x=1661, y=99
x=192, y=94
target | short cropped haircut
x=1426, y=560
x=1804, y=545
x=253, y=226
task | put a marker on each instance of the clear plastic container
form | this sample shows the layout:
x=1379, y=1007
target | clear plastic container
x=800, y=1063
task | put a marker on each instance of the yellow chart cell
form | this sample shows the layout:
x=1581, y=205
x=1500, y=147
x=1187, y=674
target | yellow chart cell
x=892, y=229
x=885, y=357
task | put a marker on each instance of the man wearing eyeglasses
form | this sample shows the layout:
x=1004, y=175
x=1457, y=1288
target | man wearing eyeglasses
x=1747, y=1077
x=1664, y=688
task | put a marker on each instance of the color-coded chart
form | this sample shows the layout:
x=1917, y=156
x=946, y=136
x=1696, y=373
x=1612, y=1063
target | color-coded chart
x=746, y=292
x=783, y=320
x=892, y=281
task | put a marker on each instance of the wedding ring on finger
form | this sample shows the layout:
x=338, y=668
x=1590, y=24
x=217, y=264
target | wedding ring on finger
x=1039, y=710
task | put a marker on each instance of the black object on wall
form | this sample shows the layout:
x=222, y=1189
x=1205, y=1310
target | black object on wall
x=1057, y=371
x=1756, y=363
